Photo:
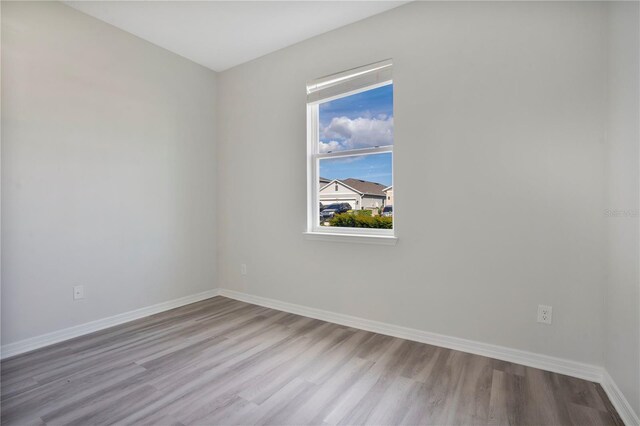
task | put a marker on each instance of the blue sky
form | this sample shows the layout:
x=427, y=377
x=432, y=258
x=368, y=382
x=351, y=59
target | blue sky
x=374, y=168
x=358, y=121
x=371, y=103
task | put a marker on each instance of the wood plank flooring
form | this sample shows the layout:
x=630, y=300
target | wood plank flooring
x=226, y=362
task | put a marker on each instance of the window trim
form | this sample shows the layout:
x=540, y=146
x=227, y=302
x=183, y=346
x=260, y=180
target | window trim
x=339, y=84
x=387, y=240
x=313, y=229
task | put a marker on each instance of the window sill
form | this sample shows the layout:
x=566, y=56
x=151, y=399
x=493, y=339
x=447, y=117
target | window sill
x=388, y=240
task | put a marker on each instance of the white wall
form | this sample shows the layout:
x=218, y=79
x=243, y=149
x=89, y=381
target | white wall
x=108, y=171
x=500, y=124
x=622, y=296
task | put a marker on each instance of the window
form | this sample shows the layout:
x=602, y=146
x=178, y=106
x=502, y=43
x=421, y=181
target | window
x=350, y=152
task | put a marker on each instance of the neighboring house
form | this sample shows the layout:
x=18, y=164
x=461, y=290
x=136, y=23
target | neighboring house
x=323, y=182
x=360, y=194
x=389, y=193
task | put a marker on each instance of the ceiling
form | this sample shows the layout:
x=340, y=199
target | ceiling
x=223, y=34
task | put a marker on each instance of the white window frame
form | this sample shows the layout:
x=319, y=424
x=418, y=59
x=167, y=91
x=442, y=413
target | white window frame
x=314, y=230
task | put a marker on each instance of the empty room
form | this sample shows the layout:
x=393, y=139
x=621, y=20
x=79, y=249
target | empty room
x=320, y=213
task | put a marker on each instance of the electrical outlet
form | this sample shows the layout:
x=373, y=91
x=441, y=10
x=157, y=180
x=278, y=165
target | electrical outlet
x=78, y=292
x=243, y=269
x=544, y=314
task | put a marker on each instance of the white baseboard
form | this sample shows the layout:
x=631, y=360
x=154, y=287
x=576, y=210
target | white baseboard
x=43, y=340
x=544, y=362
x=628, y=416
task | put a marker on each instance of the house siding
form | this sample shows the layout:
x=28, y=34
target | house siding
x=370, y=202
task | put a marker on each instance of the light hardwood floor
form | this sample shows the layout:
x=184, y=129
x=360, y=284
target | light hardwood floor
x=221, y=361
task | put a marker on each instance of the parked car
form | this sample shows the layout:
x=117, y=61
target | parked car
x=387, y=211
x=333, y=209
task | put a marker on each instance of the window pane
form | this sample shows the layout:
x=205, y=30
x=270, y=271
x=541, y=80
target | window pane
x=363, y=120
x=356, y=192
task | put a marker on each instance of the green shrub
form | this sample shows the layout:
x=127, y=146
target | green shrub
x=361, y=221
x=360, y=212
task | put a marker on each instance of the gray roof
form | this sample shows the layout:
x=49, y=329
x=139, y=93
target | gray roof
x=363, y=186
x=366, y=187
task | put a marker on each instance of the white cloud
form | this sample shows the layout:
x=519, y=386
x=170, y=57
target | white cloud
x=361, y=132
x=330, y=146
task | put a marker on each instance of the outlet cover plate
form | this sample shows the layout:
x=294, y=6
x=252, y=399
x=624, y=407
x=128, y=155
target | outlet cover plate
x=545, y=314
x=78, y=292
